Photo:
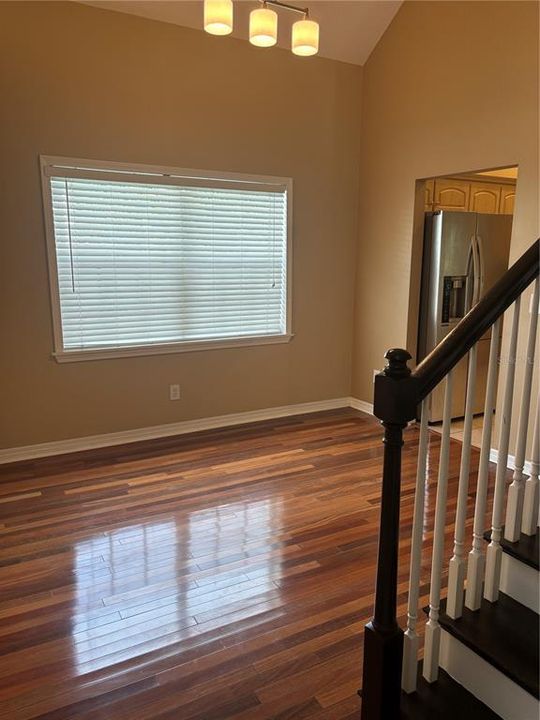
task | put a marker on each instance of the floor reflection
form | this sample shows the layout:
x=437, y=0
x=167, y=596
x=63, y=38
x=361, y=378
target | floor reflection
x=148, y=586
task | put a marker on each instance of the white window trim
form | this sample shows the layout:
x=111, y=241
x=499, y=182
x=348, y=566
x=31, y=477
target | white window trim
x=69, y=167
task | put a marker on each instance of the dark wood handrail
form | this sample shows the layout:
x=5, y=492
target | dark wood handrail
x=461, y=339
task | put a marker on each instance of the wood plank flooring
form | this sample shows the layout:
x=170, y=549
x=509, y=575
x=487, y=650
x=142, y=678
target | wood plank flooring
x=226, y=574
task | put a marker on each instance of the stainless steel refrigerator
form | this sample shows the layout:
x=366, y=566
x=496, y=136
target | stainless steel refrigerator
x=465, y=253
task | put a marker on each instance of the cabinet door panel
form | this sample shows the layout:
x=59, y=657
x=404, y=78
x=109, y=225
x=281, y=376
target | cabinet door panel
x=451, y=194
x=485, y=198
x=508, y=196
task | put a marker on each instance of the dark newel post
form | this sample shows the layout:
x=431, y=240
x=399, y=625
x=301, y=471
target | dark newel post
x=395, y=405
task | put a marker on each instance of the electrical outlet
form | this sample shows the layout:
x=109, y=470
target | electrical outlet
x=174, y=392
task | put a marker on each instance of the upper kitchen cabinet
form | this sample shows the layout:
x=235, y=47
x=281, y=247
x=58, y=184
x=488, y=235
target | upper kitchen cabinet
x=429, y=187
x=508, y=196
x=470, y=195
x=485, y=198
x=450, y=194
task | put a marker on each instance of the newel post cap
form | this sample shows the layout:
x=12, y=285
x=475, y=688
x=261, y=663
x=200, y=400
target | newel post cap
x=397, y=360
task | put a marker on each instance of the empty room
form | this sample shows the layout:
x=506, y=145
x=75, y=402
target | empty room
x=269, y=393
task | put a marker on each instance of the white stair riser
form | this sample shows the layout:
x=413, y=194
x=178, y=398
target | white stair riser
x=520, y=581
x=491, y=686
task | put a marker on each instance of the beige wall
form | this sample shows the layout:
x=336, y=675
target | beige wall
x=451, y=87
x=84, y=82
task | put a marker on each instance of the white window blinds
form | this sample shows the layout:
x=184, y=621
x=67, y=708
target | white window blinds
x=142, y=263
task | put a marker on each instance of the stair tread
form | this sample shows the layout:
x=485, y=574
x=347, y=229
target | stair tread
x=526, y=549
x=444, y=699
x=505, y=633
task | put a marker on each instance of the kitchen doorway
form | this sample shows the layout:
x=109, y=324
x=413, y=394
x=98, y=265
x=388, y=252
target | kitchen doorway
x=463, y=228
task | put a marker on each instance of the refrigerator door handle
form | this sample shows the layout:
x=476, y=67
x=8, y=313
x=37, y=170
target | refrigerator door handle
x=472, y=292
x=480, y=254
x=475, y=270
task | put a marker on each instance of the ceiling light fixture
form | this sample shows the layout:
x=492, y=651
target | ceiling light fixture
x=218, y=17
x=305, y=37
x=263, y=25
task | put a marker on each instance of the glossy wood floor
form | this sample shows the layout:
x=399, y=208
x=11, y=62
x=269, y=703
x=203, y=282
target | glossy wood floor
x=221, y=575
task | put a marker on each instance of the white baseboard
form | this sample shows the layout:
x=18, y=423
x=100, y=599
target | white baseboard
x=90, y=442
x=510, y=463
x=361, y=405
x=505, y=697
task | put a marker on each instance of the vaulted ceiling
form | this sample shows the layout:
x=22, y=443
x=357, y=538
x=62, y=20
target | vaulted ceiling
x=350, y=29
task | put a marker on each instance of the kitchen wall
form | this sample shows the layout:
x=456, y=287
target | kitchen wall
x=85, y=82
x=451, y=87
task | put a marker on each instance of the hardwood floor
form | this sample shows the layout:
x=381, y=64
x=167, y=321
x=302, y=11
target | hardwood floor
x=221, y=575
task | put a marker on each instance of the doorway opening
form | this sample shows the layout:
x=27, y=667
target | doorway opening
x=463, y=225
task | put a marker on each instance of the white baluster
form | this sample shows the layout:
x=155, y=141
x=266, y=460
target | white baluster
x=433, y=629
x=514, y=506
x=476, y=560
x=529, y=522
x=410, y=640
x=456, y=568
x=494, y=551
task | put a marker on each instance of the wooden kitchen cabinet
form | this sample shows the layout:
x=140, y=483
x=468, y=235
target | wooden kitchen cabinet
x=485, y=198
x=429, y=187
x=450, y=194
x=461, y=194
x=508, y=197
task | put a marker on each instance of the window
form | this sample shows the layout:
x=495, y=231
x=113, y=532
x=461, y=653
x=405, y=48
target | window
x=145, y=260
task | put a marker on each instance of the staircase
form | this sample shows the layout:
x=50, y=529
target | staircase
x=480, y=642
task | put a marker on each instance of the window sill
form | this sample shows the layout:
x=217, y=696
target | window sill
x=63, y=356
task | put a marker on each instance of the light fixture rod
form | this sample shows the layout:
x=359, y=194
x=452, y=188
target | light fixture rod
x=285, y=6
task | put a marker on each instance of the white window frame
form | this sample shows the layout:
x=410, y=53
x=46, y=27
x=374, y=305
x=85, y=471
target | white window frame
x=158, y=174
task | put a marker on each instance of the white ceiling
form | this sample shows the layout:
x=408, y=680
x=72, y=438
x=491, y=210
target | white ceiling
x=349, y=29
